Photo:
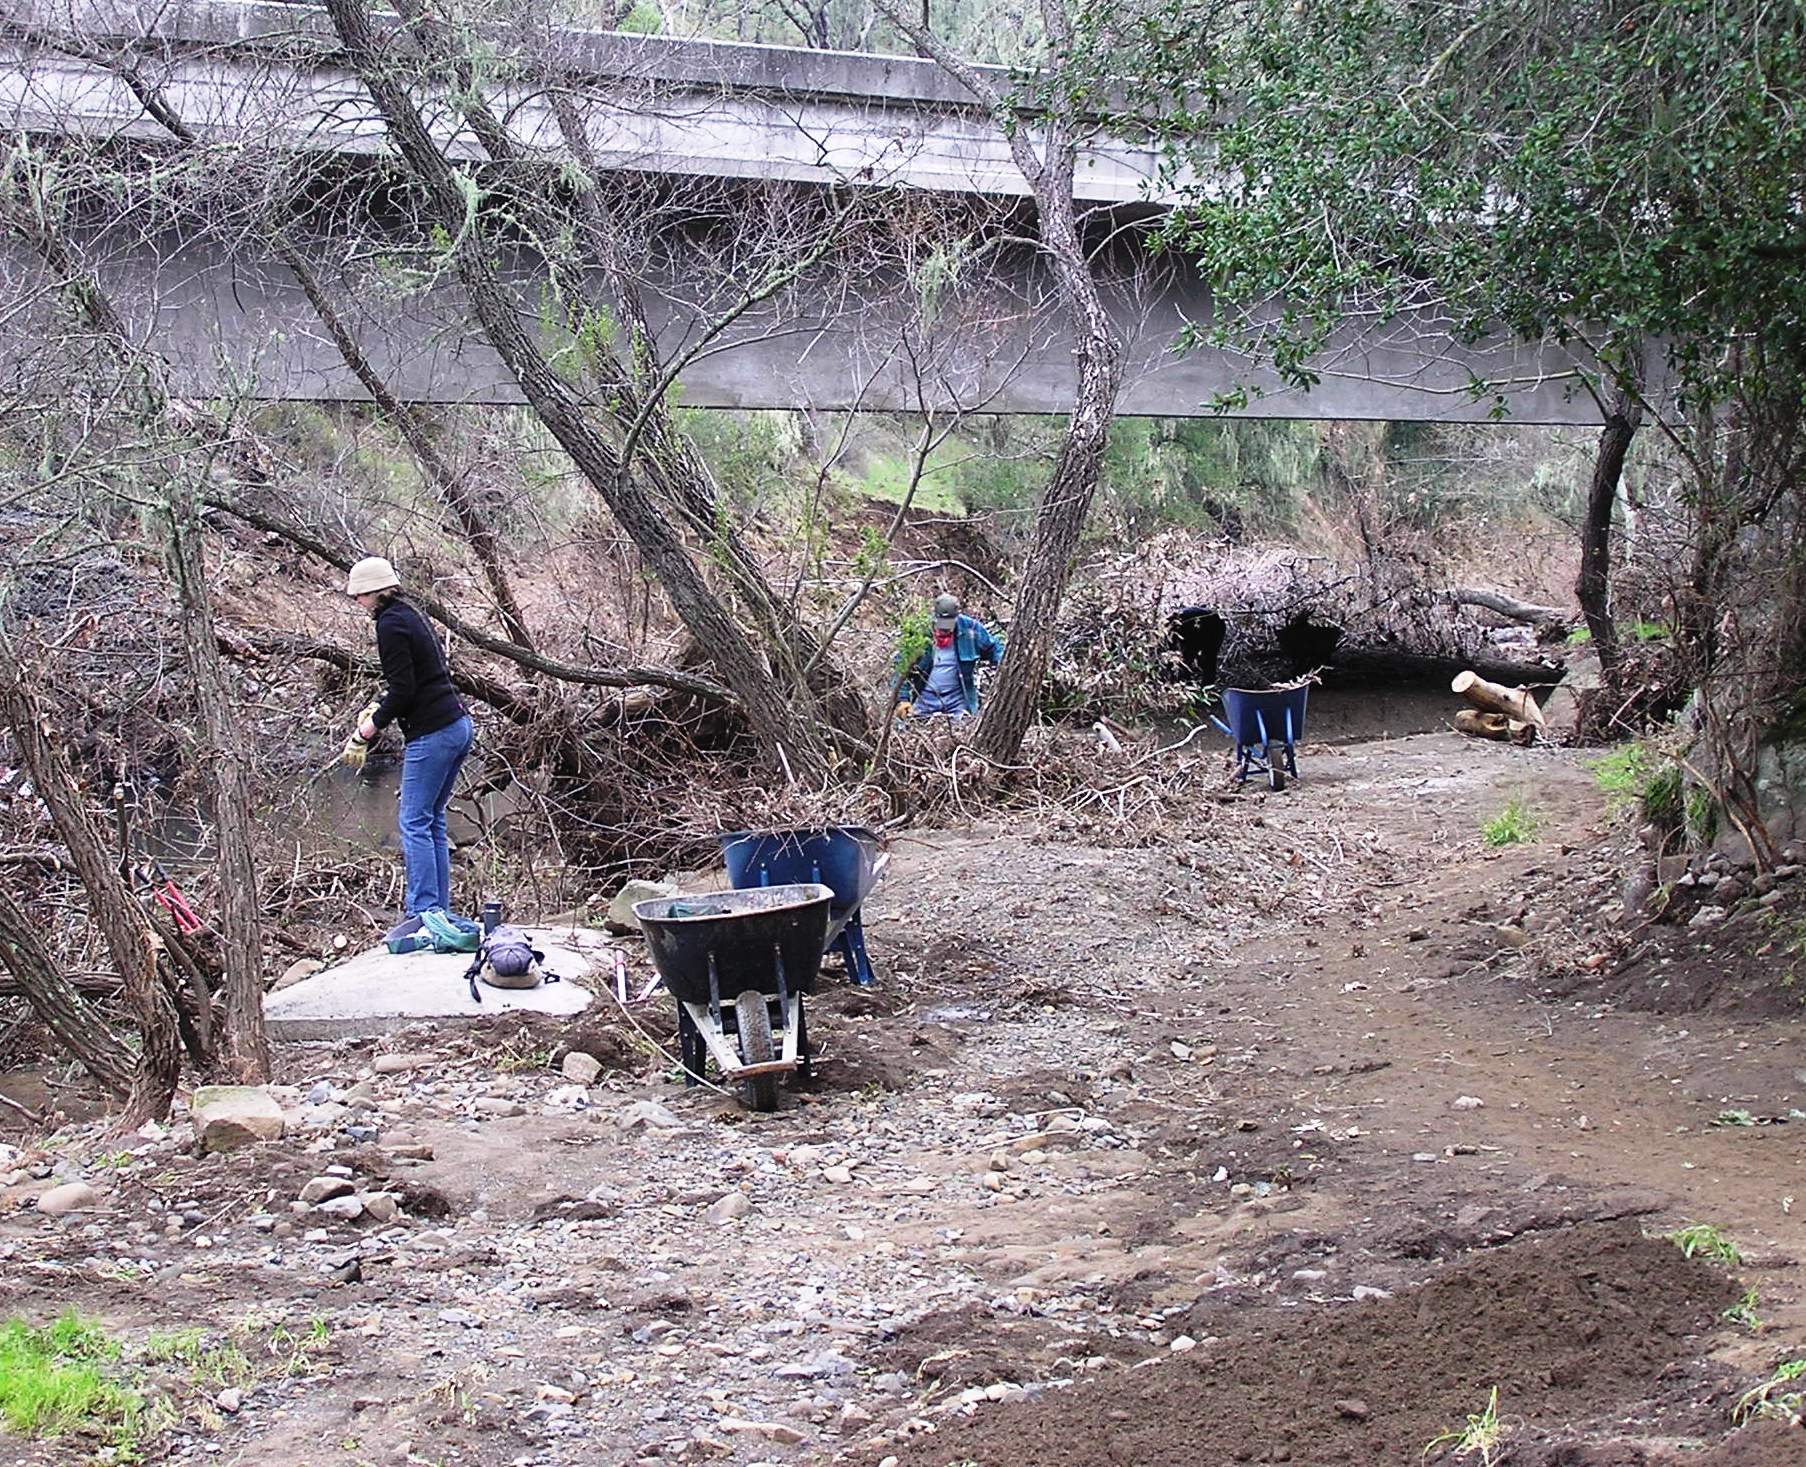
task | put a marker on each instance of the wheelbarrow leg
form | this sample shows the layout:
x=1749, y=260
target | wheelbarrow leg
x=690, y=1049
x=851, y=946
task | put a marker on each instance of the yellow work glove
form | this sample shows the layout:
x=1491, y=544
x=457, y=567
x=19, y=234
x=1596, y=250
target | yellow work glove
x=357, y=747
x=903, y=707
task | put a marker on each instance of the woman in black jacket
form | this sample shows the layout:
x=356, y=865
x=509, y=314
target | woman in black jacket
x=434, y=724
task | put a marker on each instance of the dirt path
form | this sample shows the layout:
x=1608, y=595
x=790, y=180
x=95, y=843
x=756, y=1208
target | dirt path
x=1103, y=1107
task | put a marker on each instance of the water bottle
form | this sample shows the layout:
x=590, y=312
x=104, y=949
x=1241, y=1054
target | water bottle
x=492, y=917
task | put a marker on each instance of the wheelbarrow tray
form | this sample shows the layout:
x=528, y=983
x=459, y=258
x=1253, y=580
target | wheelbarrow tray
x=761, y=928
x=1256, y=716
x=845, y=858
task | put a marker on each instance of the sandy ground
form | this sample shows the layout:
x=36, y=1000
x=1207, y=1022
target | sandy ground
x=1262, y=1142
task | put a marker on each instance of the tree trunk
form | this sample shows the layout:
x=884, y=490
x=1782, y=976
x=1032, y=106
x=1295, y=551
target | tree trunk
x=245, y=1051
x=778, y=716
x=1060, y=517
x=75, y=1022
x=1593, y=586
x=110, y=906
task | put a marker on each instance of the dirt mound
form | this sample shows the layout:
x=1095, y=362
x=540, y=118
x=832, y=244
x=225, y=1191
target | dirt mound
x=1765, y=1444
x=1577, y=1326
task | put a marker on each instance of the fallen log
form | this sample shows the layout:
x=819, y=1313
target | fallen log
x=1510, y=607
x=1479, y=724
x=1495, y=698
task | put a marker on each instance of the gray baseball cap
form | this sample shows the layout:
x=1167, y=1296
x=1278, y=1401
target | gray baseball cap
x=946, y=612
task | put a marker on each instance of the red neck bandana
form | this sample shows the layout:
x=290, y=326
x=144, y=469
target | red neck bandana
x=943, y=639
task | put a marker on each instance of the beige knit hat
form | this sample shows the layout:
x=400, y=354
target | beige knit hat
x=372, y=573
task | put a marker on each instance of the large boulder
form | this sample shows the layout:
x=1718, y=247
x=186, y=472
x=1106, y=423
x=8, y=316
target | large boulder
x=620, y=916
x=227, y=1117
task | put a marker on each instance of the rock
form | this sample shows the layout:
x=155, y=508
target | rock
x=296, y=971
x=1762, y=885
x=70, y=1197
x=1367, y=1291
x=395, y=1064
x=380, y=1207
x=496, y=1106
x=345, y=1209
x=1468, y=1102
x=581, y=1068
x=1182, y=1344
x=647, y=1113
x=726, y=1209
x=324, y=1189
x=229, y=1400
x=1730, y=891
x=227, y=1117
x=1706, y=917
x=620, y=916
x=1670, y=869
x=1353, y=1409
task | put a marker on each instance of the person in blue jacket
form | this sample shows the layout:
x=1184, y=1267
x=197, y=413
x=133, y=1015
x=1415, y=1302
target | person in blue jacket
x=944, y=679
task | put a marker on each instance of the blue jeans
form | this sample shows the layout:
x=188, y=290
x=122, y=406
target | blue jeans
x=429, y=769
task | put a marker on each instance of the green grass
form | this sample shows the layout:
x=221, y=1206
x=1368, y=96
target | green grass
x=1481, y=1435
x=1697, y=1239
x=1743, y=1312
x=1512, y=826
x=886, y=477
x=55, y=1379
x=1778, y=1398
x=1622, y=774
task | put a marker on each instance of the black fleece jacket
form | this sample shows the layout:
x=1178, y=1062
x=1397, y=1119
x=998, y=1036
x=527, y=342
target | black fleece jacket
x=420, y=695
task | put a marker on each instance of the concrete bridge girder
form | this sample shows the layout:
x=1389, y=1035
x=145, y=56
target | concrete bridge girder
x=226, y=315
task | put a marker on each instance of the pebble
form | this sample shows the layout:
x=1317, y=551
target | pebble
x=229, y=1400
x=1367, y=1291
x=728, y=1208
x=395, y=1064
x=324, y=1189
x=581, y=1068
x=344, y=1208
x=1353, y=1409
x=70, y=1197
x=1469, y=1102
x=496, y=1107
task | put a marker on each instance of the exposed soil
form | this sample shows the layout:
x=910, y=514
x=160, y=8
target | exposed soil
x=1320, y=1084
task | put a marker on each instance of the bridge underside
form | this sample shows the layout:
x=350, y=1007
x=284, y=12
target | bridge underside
x=232, y=322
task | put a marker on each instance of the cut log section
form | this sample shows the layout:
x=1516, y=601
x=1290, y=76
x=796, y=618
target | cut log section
x=1514, y=703
x=1479, y=724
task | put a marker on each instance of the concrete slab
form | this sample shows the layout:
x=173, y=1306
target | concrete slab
x=377, y=991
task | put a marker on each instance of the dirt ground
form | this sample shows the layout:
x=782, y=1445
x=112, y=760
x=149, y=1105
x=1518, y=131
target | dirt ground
x=1288, y=1138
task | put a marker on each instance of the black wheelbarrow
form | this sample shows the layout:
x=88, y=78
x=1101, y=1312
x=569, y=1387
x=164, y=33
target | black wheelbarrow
x=845, y=858
x=738, y=964
x=1266, y=725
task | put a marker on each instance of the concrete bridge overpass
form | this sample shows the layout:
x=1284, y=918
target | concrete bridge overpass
x=262, y=82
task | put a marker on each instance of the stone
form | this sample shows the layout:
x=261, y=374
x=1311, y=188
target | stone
x=1706, y=917
x=1353, y=1408
x=324, y=1189
x=227, y=1117
x=1182, y=1344
x=380, y=1207
x=70, y=1197
x=581, y=1068
x=1367, y=1291
x=620, y=916
x=647, y=1113
x=229, y=1400
x=346, y=1209
x=1670, y=869
x=728, y=1208
x=396, y=1064
x=1468, y=1102
x=495, y=1106
x=1731, y=891
x=295, y=972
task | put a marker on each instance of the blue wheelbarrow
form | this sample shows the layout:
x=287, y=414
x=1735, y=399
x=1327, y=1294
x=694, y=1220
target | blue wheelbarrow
x=1266, y=726
x=844, y=858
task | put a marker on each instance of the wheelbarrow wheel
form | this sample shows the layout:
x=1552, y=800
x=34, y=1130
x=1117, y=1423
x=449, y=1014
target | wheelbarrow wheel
x=753, y=1019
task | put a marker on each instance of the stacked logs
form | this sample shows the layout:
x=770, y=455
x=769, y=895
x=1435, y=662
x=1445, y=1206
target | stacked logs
x=1506, y=714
